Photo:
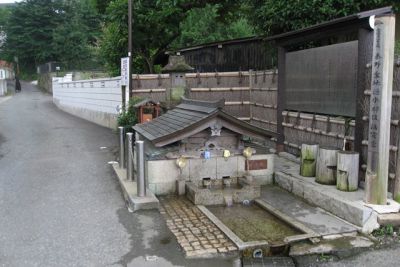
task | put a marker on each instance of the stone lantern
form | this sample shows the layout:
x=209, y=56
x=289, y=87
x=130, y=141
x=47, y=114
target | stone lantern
x=176, y=67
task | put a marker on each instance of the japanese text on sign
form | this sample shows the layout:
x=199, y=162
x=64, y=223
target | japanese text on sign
x=125, y=71
x=376, y=90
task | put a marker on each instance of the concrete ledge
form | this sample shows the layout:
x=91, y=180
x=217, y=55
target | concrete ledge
x=130, y=193
x=348, y=207
x=341, y=247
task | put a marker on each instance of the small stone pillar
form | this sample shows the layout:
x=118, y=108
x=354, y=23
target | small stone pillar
x=326, y=166
x=308, y=158
x=347, y=170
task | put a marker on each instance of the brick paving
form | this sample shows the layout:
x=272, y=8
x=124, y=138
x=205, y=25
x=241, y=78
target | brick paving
x=196, y=234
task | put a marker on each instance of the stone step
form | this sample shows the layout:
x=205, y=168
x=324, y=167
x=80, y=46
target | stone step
x=326, y=197
x=314, y=218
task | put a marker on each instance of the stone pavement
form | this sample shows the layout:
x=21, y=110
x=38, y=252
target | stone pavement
x=196, y=234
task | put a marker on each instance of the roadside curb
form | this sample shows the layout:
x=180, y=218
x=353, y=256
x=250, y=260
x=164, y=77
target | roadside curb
x=129, y=189
x=4, y=99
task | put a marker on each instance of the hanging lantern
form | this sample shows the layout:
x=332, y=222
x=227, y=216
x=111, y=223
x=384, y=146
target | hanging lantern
x=247, y=152
x=181, y=162
x=227, y=153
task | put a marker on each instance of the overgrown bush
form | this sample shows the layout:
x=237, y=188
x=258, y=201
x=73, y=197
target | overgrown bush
x=128, y=117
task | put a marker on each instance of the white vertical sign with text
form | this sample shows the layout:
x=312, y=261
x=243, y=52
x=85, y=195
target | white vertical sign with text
x=125, y=71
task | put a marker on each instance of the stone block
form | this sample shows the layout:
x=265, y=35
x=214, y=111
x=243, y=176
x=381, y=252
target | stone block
x=157, y=170
x=201, y=168
x=283, y=181
x=264, y=179
x=241, y=166
x=165, y=188
x=227, y=167
x=297, y=188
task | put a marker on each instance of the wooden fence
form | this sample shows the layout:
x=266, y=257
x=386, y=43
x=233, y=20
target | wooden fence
x=252, y=96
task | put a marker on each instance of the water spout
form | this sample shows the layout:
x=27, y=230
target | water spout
x=226, y=181
x=228, y=200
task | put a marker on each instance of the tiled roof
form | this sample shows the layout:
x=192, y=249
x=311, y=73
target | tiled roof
x=188, y=115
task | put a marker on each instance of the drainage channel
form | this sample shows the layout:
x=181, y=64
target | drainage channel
x=258, y=229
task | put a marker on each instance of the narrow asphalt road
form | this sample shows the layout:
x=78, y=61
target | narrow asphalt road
x=60, y=204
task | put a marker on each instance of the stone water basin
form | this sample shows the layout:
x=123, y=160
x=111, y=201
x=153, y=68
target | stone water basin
x=257, y=228
x=253, y=223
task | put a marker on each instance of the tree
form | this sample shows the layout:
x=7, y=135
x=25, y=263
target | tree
x=30, y=29
x=202, y=25
x=101, y=5
x=40, y=31
x=4, y=15
x=277, y=16
x=157, y=24
x=74, y=41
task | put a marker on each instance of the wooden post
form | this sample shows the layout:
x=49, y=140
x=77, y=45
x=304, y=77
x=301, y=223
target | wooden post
x=123, y=94
x=251, y=74
x=347, y=170
x=380, y=111
x=396, y=189
x=281, y=98
x=326, y=166
x=308, y=158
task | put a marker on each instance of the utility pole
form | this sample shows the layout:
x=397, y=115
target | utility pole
x=130, y=47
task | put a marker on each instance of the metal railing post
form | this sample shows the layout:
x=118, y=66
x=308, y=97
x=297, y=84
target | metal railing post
x=121, y=147
x=129, y=164
x=141, y=182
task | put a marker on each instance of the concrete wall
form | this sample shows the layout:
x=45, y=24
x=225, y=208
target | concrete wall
x=92, y=100
x=45, y=80
x=162, y=174
x=6, y=74
x=3, y=87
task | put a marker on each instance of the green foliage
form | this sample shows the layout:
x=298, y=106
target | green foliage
x=324, y=258
x=4, y=15
x=156, y=27
x=40, y=31
x=128, y=118
x=101, y=5
x=278, y=16
x=73, y=40
x=202, y=25
x=386, y=230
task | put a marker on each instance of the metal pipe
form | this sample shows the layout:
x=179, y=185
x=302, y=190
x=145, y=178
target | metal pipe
x=141, y=182
x=121, y=147
x=129, y=165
